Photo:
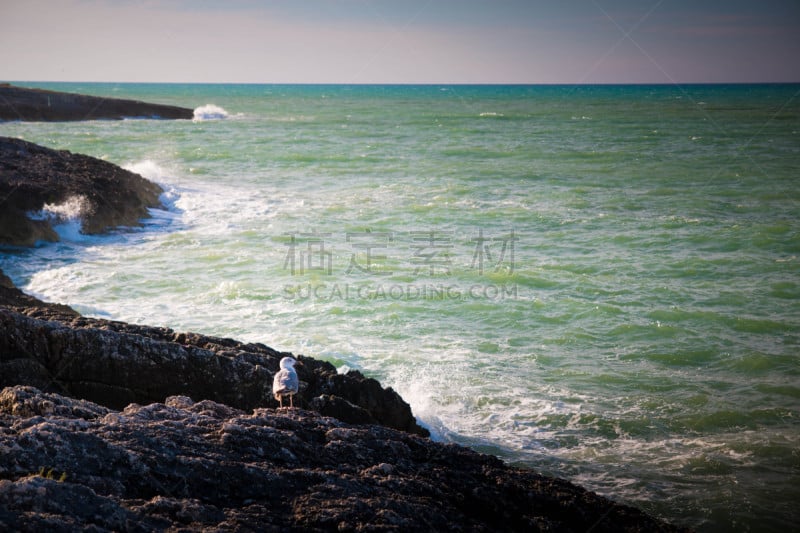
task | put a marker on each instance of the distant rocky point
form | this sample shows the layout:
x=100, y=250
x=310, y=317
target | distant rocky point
x=40, y=105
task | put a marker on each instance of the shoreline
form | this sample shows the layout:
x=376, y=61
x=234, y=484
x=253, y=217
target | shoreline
x=69, y=362
x=381, y=474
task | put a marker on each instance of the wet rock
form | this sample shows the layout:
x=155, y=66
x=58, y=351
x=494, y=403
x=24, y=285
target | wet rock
x=104, y=195
x=115, y=364
x=185, y=465
x=20, y=103
x=11, y=296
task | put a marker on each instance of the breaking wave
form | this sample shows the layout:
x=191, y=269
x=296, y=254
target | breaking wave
x=210, y=112
x=66, y=217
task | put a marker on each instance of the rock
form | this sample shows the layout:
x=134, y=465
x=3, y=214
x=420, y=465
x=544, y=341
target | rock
x=20, y=103
x=5, y=281
x=105, y=195
x=115, y=364
x=182, y=465
x=11, y=296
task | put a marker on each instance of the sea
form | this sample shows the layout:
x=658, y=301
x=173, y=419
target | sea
x=599, y=283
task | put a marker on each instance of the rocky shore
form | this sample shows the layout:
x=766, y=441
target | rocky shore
x=102, y=194
x=21, y=103
x=112, y=426
x=185, y=465
x=115, y=364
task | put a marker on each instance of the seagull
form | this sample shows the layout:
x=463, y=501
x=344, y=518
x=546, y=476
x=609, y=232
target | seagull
x=286, y=382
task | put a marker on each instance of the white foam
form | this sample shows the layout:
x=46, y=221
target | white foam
x=210, y=112
x=165, y=177
x=149, y=169
x=72, y=209
x=65, y=218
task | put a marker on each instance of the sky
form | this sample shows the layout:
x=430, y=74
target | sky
x=401, y=41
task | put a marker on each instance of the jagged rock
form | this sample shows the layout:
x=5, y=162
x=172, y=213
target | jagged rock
x=183, y=465
x=21, y=103
x=115, y=364
x=11, y=296
x=32, y=176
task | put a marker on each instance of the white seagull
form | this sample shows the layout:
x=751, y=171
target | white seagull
x=286, y=382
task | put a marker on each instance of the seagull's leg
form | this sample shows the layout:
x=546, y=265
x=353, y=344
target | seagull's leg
x=291, y=401
x=280, y=399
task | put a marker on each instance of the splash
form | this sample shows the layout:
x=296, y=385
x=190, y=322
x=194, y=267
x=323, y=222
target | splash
x=153, y=171
x=65, y=217
x=149, y=169
x=209, y=112
x=165, y=177
x=72, y=209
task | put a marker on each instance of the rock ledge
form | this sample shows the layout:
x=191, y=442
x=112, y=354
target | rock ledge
x=114, y=364
x=183, y=465
x=102, y=194
x=21, y=103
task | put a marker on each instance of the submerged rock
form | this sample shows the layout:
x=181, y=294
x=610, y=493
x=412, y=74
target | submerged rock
x=21, y=103
x=185, y=465
x=100, y=193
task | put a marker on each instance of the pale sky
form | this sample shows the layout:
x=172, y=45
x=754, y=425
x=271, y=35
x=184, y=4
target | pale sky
x=401, y=41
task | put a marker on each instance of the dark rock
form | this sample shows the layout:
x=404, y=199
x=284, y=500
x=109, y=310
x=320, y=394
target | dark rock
x=20, y=103
x=32, y=176
x=114, y=364
x=11, y=296
x=5, y=281
x=183, y=465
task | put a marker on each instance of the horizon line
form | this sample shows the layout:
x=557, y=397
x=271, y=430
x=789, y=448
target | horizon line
x=417, y=84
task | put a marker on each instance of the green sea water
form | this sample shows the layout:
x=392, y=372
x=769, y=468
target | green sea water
x=597, y=282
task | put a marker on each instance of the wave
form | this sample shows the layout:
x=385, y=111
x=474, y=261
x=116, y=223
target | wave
x=149, y=169
x=210, y=112
x=72, y=208
x=65, y=218
x=154, y=172
x=170, y=213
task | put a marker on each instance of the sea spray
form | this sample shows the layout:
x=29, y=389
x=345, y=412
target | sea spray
x=66, y=217
x=210, y=112
x=169, y=216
